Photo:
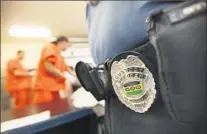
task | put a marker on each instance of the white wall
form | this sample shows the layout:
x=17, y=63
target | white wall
x=32, y=54
x=73, y=55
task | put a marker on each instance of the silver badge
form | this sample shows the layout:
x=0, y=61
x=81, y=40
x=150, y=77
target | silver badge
x=133, y=83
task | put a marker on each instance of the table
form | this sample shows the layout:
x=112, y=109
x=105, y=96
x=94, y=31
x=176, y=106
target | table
x=65, y=118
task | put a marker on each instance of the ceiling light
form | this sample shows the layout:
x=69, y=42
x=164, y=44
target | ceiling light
x=29, y=31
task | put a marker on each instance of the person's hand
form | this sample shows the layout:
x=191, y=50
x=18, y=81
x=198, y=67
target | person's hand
x=70, y=78
x=73, y=73
x=63, y=94
x=68, y=88
x=66, y=92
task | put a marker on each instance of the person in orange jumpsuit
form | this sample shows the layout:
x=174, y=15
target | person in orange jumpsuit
x=50, y=78
x=18, y=81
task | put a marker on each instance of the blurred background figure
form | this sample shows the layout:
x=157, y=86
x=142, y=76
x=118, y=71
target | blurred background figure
x=47, y=57
x=18, y=81
x=50, y=80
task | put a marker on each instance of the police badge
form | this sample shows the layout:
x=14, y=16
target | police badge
x=132, y=81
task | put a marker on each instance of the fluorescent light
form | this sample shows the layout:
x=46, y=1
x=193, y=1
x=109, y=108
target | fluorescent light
x=29, y=31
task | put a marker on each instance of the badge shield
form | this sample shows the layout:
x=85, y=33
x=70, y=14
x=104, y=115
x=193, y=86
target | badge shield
x=133, y=83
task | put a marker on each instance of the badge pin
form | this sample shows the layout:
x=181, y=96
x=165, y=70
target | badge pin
x=133, y=83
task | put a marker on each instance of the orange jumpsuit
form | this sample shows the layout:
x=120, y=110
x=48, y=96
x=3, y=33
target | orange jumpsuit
x=19, y=87
x=46, y=85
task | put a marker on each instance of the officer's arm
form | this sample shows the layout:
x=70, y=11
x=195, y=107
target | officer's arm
x=53, y=70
